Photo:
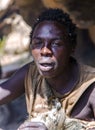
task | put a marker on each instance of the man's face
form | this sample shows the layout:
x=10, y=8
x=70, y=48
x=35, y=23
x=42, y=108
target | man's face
x=50, y=48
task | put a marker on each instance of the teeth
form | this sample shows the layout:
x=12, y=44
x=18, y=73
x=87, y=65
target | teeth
x=46, y=66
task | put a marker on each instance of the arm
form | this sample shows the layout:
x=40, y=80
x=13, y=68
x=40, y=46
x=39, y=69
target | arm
x=14, y=86
x=92, y=99
x=32, y=125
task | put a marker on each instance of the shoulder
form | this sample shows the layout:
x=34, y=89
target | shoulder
x=32, y=72
x=22, y=71
x=92, y=98
x=92, y=95
x=27, y=66
x=87, y=73
x=83, y=67
x=87, y=68
x=32, y=69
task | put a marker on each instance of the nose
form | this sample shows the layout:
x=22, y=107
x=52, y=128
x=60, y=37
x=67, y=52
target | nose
x=45, y=51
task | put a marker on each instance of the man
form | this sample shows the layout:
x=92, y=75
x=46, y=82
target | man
x=54, y=73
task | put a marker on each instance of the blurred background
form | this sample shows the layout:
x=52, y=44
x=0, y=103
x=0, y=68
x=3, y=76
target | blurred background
x=16, y=20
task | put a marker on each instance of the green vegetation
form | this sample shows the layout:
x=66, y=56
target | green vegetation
x=2, y=45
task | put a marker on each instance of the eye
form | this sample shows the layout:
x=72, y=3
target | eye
x=37, y=43
x=57, y=43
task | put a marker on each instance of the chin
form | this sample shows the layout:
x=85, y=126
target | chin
x=47, y=74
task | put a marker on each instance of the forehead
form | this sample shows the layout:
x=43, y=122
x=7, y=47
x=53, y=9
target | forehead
x=49, y=28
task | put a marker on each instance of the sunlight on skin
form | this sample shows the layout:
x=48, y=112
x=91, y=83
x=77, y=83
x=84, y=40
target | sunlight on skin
x=4, y=93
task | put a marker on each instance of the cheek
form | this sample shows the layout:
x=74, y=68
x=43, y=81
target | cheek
x=59, y=53
x=62, y=55
x=35, y=53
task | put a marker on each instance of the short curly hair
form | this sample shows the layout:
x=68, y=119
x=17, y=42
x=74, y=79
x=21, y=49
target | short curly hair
x=59, y=16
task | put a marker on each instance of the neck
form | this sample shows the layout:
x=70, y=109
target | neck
x=65, y=82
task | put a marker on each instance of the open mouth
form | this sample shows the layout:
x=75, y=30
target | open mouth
x=46, y=66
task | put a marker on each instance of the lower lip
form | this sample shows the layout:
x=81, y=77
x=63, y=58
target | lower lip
x=45, y=68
